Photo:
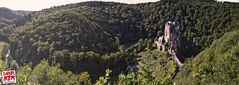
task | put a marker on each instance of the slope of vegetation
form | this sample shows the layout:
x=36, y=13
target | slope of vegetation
x=3, y=49
x=217, y=64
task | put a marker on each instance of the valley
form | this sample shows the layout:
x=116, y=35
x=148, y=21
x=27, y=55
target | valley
x=94, y=42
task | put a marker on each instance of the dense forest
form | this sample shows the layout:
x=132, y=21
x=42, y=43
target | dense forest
x=216, y=64
x=94, y=42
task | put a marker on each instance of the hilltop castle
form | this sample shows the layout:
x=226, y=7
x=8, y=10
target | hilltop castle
x=171, y=38
x=170, y=41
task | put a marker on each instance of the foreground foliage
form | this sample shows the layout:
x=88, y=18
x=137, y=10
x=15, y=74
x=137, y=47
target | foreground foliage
x=45, y=74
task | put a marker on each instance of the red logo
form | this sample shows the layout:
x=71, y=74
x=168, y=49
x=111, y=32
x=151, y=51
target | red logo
x=9, y=77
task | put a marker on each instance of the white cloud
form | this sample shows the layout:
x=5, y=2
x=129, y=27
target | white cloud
x=229, y=0
x=40, y=4
x=33, y=4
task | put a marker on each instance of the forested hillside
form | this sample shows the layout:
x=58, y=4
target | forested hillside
x=215, y=65
x=90, y=37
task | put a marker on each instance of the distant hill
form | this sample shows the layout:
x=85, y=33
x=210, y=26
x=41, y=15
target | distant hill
x=11, y=14
x=8, y=16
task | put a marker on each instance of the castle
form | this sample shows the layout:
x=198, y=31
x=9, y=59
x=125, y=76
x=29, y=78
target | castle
x=171, y=38
x=170, y=41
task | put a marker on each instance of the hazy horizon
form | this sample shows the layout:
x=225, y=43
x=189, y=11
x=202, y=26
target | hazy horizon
x=36, y=5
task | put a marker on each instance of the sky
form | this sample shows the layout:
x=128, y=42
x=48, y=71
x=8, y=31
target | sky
x=36, y=5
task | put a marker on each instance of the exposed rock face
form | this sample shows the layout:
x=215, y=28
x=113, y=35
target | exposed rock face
x=170, y=41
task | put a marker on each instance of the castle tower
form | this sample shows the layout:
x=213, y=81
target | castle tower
x=167, y=31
